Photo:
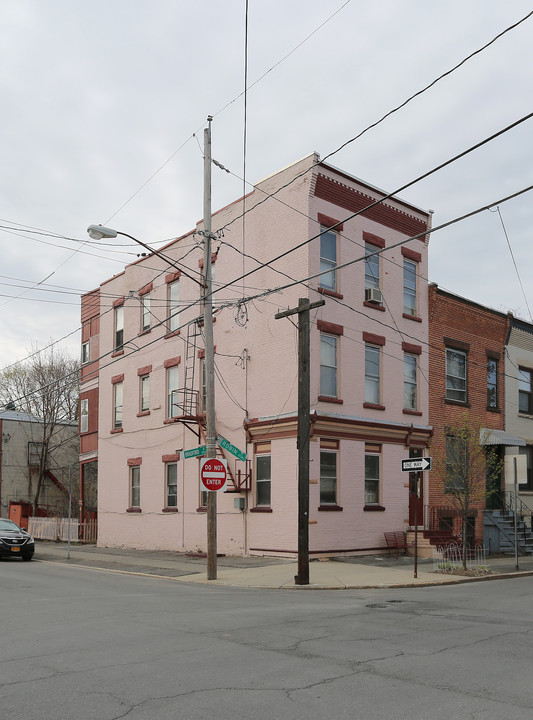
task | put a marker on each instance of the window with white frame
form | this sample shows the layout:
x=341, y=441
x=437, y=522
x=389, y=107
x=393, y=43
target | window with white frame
x=525, y=391
x=144, y=393
x=135, y=486
x=84, y=415
x=171, y=485
x=172, y=391
x=410, y=385
x=373, y=374
x=85, y=352
x=371, y=266
x=328, y=260
x=328, y=365
x=119, y=327
x=145, y=312
x=328, y=477
x=173, y=306
x=409, y=287
x=492, y=382
x=118, y=389
x=263, y=480
x=456, y=368
x=372, y=475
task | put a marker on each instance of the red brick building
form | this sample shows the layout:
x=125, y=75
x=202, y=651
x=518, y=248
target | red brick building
x=466, y=372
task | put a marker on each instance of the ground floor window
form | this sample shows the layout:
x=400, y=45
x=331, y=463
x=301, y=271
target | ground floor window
x=135, y=486
x=329, y=471
x=372, y=476
x=171, y=485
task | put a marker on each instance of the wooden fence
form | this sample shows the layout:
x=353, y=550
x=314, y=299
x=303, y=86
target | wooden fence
x=46, y=528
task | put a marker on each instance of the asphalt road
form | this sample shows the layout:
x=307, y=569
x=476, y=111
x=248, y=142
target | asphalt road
x=82, y=644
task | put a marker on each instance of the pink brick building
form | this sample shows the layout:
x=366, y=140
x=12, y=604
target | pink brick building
x=369, y=370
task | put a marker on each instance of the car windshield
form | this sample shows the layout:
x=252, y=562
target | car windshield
x=8, y=525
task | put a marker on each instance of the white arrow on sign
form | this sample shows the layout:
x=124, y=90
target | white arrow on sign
x=416, y=464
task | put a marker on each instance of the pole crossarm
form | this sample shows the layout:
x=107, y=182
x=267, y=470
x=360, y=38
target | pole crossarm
x=299, y=309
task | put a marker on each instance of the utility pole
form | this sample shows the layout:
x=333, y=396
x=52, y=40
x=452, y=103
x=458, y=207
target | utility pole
x=210, y=429
x=304, y=411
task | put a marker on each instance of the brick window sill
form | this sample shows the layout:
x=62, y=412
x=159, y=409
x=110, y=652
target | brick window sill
x=175, y=333
x=116, y=430
x=411, y=412
x=170, y=510
x=168, y=421
x=261, y=509
x=144, y=413
x=147, y=331
x=330, y=508
x=330, y=293
x=374, y=306
x=116, y=353
x=415, y=318
x=373, y=406
x=202, y=509
x=374, y=508
x=327, y=399
x=493, y=410
x=133, y=510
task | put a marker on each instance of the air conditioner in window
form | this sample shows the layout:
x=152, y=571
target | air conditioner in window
x=374, y=295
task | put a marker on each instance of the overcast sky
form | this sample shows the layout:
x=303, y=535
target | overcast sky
x=97, y=96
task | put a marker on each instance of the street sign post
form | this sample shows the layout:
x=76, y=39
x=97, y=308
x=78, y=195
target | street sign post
x=416, y=464
x=226, y=445
x=213, y=474
x=195, y=452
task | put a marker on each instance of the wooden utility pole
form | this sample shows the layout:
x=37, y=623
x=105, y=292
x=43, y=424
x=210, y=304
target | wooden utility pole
x=210, y=429
x=304, y=412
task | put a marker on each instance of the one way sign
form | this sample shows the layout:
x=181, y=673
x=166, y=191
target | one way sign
x=416, y=464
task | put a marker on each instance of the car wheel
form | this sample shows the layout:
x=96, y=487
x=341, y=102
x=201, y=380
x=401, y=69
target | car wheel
x=27, y=558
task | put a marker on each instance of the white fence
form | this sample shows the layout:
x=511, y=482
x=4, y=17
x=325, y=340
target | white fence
x=447, y=558
x=57, y=528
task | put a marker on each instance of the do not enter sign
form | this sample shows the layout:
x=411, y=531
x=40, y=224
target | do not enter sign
x=213, y=474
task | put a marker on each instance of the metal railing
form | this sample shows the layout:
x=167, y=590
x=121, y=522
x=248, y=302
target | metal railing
x=57, y=528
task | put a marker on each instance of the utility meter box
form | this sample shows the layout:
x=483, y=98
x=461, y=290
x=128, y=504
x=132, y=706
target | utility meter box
x=238, y=503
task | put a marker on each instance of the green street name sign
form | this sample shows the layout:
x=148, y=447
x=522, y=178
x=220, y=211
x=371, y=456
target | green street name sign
x=230, y=448
x=195, y=452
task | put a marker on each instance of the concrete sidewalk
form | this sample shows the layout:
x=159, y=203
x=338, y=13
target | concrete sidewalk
x=267, y=572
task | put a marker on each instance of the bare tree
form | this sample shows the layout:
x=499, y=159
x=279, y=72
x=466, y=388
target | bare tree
x=46, y=387
x=463, y=466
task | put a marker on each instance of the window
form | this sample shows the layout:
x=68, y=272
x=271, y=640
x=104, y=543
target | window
x=144, y=404
x=456, y=463
x=525, y=391
x=328, y=260
x=84, y=415
x=372, y=479
x=328, y=478
x=455, y=375
x=135, y=486
x=35, y=453
x=410, y=400
x=172, y=485
x=117, y=405
x=173, y=306
x=492, y=383
x=262, y=480
x=372, y=374
x=409, y=287
x=145, y=312
x=328, y=365
x=172, y=391
x=85, y=354
x=119, y=327
x=371, y=266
